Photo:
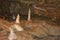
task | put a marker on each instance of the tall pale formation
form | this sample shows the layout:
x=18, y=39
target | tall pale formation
x=17, y=19
x=29, y=13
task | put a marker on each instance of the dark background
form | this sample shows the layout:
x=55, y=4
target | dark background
x=49, y=9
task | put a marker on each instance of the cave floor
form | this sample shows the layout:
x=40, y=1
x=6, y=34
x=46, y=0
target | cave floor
x=33, y=30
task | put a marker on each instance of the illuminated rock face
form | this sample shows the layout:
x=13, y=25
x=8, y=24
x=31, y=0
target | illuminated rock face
x=12, y=35
x=18, y=27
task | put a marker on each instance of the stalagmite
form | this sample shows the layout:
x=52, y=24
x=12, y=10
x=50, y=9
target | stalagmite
x=28, y=24
x=17, y=19
x=16, y=25
x=29, y=13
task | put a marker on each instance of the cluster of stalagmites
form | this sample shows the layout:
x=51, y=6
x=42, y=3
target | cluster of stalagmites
x=32, y=30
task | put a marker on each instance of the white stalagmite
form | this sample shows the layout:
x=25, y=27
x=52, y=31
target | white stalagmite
x=17, y=26
x=28, y=23
x=17, y=19
x=29, y=13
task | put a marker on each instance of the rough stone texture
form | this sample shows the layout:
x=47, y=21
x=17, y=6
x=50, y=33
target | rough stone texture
x=50, y=7
x=45, y=24
x=38, y=30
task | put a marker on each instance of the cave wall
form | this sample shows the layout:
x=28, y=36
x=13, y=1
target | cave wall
x=46, y=8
